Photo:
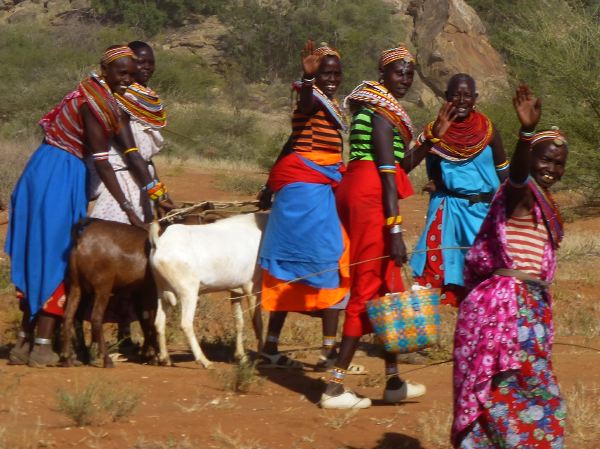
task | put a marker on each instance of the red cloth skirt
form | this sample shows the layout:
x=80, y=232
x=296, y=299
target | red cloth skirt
x=359, y=200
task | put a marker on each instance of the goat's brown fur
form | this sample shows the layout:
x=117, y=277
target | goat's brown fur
x=110, y=258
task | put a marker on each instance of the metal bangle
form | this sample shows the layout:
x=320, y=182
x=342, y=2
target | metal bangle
x=396, y=229
x=21, y=334
x=42, y=341
x=126, y=205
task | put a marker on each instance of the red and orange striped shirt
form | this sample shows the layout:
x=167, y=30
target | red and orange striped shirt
x=526, y=241
x=317, y=138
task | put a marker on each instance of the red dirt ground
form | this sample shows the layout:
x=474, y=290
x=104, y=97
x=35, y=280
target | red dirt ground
x=187, y=406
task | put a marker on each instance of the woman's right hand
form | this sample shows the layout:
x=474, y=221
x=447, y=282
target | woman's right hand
x=446, y=115
x=310, y=62
x=528, y=108
x=398, y=249
x=134, y=219
x=265, y=198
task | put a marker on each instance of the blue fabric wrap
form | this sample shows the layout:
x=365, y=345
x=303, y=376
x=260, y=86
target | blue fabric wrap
x=304, y=234
x=461, y=220
x=49, y=198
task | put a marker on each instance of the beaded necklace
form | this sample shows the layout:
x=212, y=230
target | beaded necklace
x=463, y=140
x=375, y=96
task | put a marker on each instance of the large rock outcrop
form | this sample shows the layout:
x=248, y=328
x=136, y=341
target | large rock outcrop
x=450, y=38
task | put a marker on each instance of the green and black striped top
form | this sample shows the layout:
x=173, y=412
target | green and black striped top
x=361, y=138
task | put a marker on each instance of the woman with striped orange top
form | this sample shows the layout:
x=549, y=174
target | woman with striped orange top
x=304, y=238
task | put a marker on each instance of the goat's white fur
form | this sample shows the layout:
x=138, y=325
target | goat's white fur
x=191, y=259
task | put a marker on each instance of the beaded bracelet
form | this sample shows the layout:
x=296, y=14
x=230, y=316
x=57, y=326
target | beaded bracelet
x=502, y=166
x=100, y=156
x=391, y=221
x=129, y=150
x=429, y=136
x=526, y=136
x=387, y=169
x=150, y=185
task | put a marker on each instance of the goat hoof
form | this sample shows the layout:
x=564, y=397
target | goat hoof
x=165, y=362
x=208, y=365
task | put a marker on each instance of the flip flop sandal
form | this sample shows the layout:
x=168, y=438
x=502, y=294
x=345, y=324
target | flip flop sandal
x=279, y=360
x=325, y=364
x=118, y=357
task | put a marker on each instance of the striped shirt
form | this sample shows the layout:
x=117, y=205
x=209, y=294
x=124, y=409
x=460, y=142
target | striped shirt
x=63, y=125
x=526, y=241
x=316, y=137
x=361, y=138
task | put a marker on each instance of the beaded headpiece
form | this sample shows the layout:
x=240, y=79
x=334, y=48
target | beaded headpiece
x=553, y=134
x=326, y=50
x=114, y=53
x=390, y=55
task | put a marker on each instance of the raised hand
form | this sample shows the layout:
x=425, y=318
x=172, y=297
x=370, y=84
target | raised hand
x=310, y=62
x=443, y=121
x=528, y=107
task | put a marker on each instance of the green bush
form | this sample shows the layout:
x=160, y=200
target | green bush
x=268, y=36
x=555, y=48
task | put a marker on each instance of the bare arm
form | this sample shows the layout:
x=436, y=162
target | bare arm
x=383, y=142
x=499, y=154
x=310, y=65
x=529, y=111
x=97, y=142
x=443, y=121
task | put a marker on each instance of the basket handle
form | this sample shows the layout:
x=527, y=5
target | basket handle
x=404, y=275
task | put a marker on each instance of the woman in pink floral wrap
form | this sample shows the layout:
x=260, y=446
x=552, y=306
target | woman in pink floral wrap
x=505, y=392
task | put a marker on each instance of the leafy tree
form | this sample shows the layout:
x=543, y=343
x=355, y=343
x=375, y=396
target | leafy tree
x=554, y=45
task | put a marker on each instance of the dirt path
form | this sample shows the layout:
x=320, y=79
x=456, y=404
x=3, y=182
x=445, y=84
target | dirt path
x=187, y=407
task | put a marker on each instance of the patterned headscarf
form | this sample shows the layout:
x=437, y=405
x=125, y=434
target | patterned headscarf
x=553, y=134
x=113, y=53
x=326, y=50
x=390, y=55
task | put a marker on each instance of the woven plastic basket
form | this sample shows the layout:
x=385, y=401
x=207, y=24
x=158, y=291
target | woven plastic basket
x=406, y=321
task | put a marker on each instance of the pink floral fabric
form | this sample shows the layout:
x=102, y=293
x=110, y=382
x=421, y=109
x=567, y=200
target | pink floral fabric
x=486, y=337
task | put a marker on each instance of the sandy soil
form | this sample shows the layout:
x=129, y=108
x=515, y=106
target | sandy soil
x=187, y=406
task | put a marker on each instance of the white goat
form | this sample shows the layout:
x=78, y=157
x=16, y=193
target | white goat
x=191, y=259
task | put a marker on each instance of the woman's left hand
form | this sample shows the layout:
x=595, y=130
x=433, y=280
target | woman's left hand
x=446, y=115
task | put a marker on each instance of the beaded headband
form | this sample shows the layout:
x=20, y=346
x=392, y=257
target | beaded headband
x=112, y=54
x=390, y=55
x=553, y=134
x=326, y=50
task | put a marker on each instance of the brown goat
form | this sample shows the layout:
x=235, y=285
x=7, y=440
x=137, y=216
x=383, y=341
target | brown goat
x=109, y=258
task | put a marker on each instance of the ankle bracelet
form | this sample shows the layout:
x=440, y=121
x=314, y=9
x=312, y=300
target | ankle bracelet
x=42, y=341
x=21, y=334
x=272, y=338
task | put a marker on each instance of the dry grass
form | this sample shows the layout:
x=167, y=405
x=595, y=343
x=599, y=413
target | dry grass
x=97, y=402
x=241, y=378
x=583, y=408
x=580, y=246
x=337, y=420
x=184, y=443
x=436, y=422
x=234, y=441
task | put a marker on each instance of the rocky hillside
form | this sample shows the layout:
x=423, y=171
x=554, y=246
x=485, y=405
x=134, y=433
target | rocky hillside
x=447, y=37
